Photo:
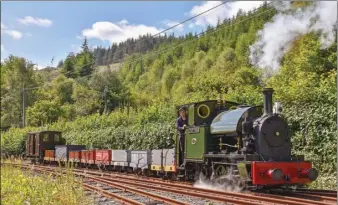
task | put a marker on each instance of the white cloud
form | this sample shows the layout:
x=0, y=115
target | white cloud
x=169, y=24
x=191, y=25
x=12, y=33
x=76, y=48
x=117, y=32
x=80, y=37
x=220, y=13
x=123, y=22
x=2, y=48
x=3, y=26
x=38, y=66
x=37, y=21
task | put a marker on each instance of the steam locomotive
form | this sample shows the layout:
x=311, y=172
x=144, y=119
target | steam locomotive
x=250, y=144
x=224, y=140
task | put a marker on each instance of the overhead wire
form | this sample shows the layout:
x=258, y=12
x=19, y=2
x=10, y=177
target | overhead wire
x=178, y=24
x=191, y=40
x=201, y=33
x=151, y=54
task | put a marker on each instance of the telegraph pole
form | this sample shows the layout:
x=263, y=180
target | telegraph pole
x=24, y=102
x=105, y=100
x=23, y=107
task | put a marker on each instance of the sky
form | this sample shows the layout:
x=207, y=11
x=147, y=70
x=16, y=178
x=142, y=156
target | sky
x=41, y=31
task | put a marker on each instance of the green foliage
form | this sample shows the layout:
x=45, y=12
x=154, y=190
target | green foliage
x=68, y=68
x=13, y=141
x=43, y=112
x=62, y=88
x=148, y=128
x=16, y=73
x=20, y=187
x=60, y=64
x=87, y=101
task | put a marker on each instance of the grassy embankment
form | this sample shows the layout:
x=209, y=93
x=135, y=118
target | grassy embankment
x=20, y=187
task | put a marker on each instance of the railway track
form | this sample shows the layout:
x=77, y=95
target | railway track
x=330, y=193
x=139, y=196
x=315, y=196
x=138, y=185
x=252, y=198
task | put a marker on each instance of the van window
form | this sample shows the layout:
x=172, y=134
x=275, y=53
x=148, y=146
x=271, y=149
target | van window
x=45, y=137
x=56, y=137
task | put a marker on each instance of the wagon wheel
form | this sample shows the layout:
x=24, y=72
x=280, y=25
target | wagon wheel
x=138, y=171
x=173, y=176
x=164, y=176
x=145, y=172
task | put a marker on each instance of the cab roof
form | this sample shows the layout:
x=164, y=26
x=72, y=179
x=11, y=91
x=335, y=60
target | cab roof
x=44, y=131
x=186, y=105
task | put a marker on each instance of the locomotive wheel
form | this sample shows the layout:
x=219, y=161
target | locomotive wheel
x=220, y=170
x=197, y=175
x=219, y=175
x=227, y=177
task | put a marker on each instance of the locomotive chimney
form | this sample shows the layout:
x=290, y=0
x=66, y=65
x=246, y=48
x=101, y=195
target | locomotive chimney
x=267, y=92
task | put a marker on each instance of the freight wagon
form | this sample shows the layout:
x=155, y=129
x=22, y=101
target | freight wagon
x=88, y=157
x=120, y=159
x=62, y=152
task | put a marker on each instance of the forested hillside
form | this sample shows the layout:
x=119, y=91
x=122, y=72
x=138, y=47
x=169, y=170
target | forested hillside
x=134, y=106
x=117, y=52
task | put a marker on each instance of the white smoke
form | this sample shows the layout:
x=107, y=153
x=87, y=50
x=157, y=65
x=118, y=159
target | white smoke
x=223, y=183
x=276, y=38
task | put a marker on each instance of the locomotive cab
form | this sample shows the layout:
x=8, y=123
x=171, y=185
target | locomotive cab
x=197, y=136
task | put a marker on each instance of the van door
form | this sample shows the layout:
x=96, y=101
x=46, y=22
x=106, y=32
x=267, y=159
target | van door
x=36, y=145
x=31, y=144
x=27, y=144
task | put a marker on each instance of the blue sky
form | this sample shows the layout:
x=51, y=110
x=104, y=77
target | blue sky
x=42, y=30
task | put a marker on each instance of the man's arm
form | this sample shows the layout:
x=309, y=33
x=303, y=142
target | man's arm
x=178, y=125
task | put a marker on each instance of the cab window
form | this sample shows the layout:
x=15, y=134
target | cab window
x=45, y=137
x=56, y=137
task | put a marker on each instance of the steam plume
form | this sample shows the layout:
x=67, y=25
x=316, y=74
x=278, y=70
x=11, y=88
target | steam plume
x=276, y=38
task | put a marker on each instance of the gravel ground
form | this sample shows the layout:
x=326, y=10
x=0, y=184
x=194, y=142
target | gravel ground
x=101, y=200
x=185, y=198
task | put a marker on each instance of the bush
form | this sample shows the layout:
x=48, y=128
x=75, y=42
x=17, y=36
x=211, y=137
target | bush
x=149, y=128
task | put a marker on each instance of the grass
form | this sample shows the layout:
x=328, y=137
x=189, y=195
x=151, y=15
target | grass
x=20, y=187
x=324, y=181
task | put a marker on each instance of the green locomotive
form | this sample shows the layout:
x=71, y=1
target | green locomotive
x=249, y=144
